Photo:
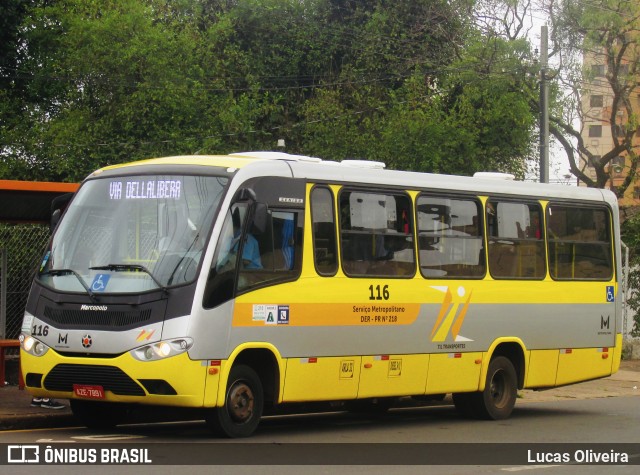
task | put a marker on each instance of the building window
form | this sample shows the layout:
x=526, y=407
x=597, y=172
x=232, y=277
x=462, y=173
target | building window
x=597, y=70
x=595, y=131
x=636, y=192
x=593, y=160
x=597, y=100
x=619, y=130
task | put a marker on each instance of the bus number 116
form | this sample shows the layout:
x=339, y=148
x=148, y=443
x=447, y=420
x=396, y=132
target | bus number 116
x=378, y=292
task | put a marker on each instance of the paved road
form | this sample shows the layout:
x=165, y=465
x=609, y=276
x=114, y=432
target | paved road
x=589, y=414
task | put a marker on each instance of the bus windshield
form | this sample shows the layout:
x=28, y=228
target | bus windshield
x=132, y=234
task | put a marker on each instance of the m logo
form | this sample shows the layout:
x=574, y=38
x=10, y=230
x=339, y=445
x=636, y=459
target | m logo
x=604, y=323
x=62, y=339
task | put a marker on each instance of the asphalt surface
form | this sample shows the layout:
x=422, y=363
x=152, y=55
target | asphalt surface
x=17, y=413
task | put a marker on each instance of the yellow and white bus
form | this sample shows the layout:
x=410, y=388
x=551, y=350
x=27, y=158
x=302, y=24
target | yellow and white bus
x=240, y=283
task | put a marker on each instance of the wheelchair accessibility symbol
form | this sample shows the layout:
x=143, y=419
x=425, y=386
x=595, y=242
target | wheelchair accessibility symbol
x=610, y=295
x=100, y=282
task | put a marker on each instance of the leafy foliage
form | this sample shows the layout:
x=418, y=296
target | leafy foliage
x=408, y=82
x=631, y=236
x=606, y=31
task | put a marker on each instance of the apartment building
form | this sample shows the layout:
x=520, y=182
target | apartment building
x=597, y=120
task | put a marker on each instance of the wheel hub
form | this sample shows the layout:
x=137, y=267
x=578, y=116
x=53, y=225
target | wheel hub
x=497, y=390
x=241, y=402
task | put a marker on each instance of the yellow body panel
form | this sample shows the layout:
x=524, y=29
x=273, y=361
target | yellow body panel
x=542, y=369
x=317, y=379
x=393, y=375
x=581, y=364
x=187, y=377
x=454, y=372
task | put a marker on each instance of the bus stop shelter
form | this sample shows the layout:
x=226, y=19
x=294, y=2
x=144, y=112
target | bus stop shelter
x=30, y=201
x=25, y=213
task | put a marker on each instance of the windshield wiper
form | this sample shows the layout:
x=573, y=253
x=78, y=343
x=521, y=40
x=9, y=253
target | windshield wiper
x=59, y=272
x=126, y=267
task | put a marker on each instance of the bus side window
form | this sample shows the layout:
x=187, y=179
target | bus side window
x=221, y=279
x=450, y=237
x=376, y=234
x=280, y=247
x=579, y=243
x=516, y=247
x=324, y=231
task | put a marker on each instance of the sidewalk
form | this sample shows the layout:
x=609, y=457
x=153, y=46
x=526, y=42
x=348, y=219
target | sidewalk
x=16, y=411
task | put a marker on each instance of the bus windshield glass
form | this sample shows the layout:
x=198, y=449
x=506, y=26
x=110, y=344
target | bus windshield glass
x=133, y=234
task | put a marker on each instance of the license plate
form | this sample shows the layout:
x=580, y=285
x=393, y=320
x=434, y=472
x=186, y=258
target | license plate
x=88, y=391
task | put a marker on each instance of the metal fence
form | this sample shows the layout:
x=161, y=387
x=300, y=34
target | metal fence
x=21, y=250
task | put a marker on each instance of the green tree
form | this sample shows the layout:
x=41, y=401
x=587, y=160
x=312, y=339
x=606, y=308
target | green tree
x=458, y=112
x=630, y=230
x=606, y=30
x=403, y=81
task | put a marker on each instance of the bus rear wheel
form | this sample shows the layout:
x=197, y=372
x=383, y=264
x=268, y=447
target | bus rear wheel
x=463, y=403
x=243, y=405
x=500, y=391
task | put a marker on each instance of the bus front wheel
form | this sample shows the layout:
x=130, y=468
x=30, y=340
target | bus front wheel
x=243, y=405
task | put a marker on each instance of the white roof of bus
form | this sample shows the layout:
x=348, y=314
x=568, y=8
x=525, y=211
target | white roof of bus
x=363, y=171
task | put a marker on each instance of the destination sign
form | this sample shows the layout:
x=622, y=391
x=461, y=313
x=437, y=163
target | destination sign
x=145, y=189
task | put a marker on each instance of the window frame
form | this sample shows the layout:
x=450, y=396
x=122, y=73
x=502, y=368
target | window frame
x=481, y=228
x=595, y=130
x=610, y=242
x=596, y=101
x=517, y=241
x=278, y=276
x=403, y=194
x=336, y=261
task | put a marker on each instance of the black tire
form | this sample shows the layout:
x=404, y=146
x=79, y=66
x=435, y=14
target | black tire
x=96, y=414
x=500, y=391
x=463, y=403
x=243, y=405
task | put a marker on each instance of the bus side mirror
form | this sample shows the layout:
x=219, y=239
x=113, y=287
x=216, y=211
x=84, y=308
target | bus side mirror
x=58, y=205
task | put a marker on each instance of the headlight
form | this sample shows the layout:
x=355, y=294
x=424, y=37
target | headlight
x=32, y=346
x=162, y=349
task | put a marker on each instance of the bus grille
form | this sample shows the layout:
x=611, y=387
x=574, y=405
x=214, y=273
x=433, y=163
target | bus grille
x=86, y=318
x=64, y=376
